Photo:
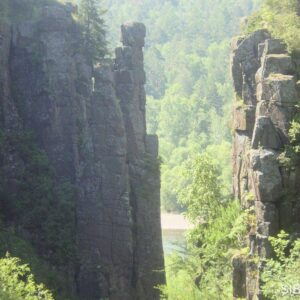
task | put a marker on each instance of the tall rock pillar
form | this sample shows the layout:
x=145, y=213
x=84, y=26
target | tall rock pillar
x=142, y=159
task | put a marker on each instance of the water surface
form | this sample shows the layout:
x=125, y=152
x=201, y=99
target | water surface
x=174, y=227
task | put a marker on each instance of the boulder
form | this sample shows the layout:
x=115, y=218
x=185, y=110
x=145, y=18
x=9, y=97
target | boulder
x=265, y=175
x=280, y=116
x=244, y=118
x=274, y=46
x=133, y=34
x=266, y=135
x=278, y=88
x=267, y=218
x=275, y=64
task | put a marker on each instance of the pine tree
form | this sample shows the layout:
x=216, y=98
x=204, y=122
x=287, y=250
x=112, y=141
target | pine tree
x=93, y=26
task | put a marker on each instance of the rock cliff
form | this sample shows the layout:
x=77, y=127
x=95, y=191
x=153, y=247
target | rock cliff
x=265, y=82
x=80, y=177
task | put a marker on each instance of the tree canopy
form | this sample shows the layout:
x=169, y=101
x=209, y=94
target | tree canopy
x=93, y=28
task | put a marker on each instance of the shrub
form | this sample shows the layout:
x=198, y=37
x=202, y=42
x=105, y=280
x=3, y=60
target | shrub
x=17, y=282
x=281, y=19
x=281, y=275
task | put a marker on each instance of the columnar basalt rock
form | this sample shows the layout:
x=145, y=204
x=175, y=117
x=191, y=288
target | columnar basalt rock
x=90, y=123
x=142, y=153
x=264, y=77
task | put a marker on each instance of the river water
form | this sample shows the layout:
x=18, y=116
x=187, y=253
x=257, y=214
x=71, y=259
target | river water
x=173, y=240
x=174, y=227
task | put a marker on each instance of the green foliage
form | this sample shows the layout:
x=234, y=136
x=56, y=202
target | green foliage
x=202, y=195
x=205, y=272
x=43, y=272
x=180, y=281
x=249, y=197
x=291, y=156
x=51, y=203
x=281, y=274
x=285, y=158
x=219, y=229
x=17, y=282
x=93, y=28
x=294, y=132
x=281, y=18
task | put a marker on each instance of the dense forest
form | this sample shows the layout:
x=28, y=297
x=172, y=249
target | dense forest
x=188, y=84
x=190, y=96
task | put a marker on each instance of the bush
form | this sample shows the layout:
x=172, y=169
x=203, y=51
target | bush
x=17, y=282
x=281, y=276
x=281, y=19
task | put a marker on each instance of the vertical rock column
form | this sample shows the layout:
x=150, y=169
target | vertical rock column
x=105, y=239
x=265, y=85
x=142, y=152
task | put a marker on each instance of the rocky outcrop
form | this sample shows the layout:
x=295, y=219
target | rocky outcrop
x=142, y=153
x=264, y=76
x=89, y=126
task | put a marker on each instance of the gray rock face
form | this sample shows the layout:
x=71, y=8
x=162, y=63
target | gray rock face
x=273, y=64
x=91, y=125
x=265, y=84
x=273, y=46
x=245, y=63
x=239, y=279
x=243, y=117
x=265, y=175
x=133, y=34
x=265, y=134
x=278, y=88
x=142, y=152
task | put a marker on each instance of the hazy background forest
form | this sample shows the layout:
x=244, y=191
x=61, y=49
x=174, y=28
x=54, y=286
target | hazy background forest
x=189, y=89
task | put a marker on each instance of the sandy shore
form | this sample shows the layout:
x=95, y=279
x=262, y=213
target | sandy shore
x=174, y=222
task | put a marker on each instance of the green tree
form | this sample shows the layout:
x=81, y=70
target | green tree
x=202, y=195
x=205, y=272
x=17, y=282
x=281, y=18
x=93, y=27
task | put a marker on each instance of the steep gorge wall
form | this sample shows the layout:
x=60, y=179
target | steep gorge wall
x=265, y=81
x=74, y=142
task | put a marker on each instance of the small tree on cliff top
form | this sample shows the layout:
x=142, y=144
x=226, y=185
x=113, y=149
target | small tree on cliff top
x=91, y=18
